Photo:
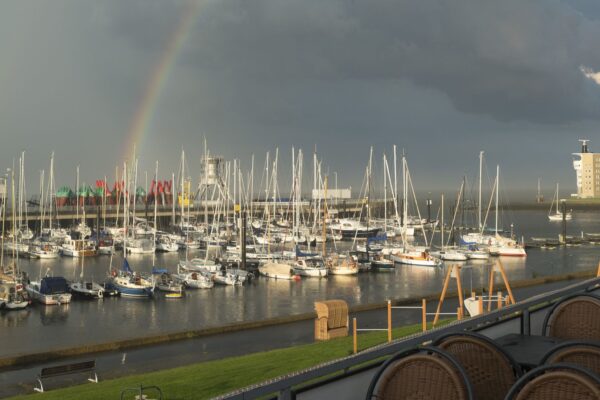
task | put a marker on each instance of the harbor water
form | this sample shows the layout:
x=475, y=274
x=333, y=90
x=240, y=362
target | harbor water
x=44, y=328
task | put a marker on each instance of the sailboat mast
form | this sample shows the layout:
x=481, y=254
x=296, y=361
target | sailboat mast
x=51, y=193
x=404, y=190
x=369, y=176
x=125, y=208
x=182, y=185
x=384, y=194
x=395, y=181
x=155, y=208
x=497, y=191
x=480, y=178
x=252, y=187
x=77, y=195
x=325, y=218
x=41, y=202
x=442, y=223
x=557, y=197
x=3, y=222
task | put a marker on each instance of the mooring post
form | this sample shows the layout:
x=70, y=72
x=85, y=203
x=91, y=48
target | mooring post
x=354, y=338
x=389, y=320
x=424, y=314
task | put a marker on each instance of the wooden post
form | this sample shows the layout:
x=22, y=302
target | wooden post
x=491, y=289
x=443, y=295
x=499, y=300
x=480, y=304
x=424, y=309
x=461, y=302
x=354, y=337
x=598, y=272
x=389, y=315
x=507, y=301
x=505, y=279
x=458, y=314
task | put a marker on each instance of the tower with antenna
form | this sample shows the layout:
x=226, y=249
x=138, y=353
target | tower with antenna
x=587, y=169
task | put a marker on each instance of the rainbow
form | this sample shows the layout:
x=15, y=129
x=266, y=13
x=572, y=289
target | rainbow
x=145, y=110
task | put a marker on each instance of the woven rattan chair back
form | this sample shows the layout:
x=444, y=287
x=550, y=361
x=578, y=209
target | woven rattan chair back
x=582, y=354
x=491, y=372
x=560, y=385
x=557, y=382
x=421, y=377
x=421, y=374
x=575, y=318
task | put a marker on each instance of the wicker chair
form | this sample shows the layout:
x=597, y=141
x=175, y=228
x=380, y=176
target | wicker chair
x=426, y=373
x=332, y=319
x=556, y=382
x=576, y=317
x=491, y=370
x=586, y=355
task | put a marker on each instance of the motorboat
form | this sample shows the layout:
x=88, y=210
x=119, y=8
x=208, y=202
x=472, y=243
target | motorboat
x=90, y=290
x=50, y=290
x=229, y=277
x=196, y=280
x=415, y=257
x=350, y=228
x=342, y=265
x=43, y=251
x=106, y=246
x=311, y=266
x=450, y=255
x=200, y=265
x=140, y=246
x=280, y=271
x=168, y=283
x=380, y=263
x=78, y=248
x=165, y=244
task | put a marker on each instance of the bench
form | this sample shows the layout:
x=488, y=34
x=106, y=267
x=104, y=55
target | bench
x=67, y=369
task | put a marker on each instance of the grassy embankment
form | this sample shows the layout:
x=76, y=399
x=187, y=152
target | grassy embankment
x=208, y=379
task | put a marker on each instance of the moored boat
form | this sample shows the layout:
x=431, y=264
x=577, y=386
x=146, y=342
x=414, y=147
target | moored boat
x=49, y=291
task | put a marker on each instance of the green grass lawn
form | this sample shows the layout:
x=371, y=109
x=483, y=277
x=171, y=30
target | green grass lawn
x=211, y=378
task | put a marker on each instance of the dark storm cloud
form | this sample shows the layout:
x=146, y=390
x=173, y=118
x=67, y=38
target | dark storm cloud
x=513, y=60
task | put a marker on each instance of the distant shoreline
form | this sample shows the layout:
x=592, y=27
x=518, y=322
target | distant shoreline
x=572, y=204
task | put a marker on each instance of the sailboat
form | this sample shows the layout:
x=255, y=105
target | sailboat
x=86, y=289
x=557, y=215
x=445, y=253
x=129, y=283
x=408, y=255
x=507, y=247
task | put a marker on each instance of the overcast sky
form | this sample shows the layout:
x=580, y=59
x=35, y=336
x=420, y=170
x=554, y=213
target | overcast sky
x=441, y=79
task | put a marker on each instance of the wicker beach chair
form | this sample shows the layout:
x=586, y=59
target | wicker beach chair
x=576, y=317
x=586, y=355
x=332, y=319
x=556, y=382
x=490, y=369
x=421, y=374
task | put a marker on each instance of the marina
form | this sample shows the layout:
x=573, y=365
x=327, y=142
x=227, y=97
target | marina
x=83, y=321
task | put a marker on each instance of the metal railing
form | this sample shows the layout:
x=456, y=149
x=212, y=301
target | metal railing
x=282, y=387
